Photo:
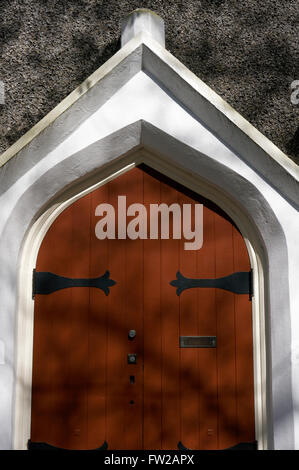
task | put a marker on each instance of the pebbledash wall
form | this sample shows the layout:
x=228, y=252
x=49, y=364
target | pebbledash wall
x=143, y=105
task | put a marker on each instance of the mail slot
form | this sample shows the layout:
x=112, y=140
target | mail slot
x=198, y=341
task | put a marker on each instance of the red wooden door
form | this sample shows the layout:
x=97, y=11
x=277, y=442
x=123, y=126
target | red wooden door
x=84, y=390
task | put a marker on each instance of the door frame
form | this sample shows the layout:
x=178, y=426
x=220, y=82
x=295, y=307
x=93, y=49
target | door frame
x=31, y=245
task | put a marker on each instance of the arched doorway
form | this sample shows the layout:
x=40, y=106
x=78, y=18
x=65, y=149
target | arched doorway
x=193, y=377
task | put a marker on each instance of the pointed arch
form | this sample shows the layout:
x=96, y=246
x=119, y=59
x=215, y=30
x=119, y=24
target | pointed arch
x=239, y=198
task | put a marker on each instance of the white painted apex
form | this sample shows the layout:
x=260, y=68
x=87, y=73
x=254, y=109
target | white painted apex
x=143, y=21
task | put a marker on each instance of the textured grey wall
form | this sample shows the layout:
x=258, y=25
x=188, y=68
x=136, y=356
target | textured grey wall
x=247, y=51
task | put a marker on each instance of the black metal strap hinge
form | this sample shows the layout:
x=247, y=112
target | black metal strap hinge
x=46, y=283
x=241, y=446
x=238, y=283
x=44, y=446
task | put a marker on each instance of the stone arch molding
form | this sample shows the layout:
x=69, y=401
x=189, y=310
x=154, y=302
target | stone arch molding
x=60, y=183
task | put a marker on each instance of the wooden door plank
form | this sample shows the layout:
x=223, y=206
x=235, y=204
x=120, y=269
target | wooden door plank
x=191, y=379
x=152, y=327
x=226, y=347
x=207, y=326
x=244, y=348
x=133, y=320
x=170, y=334
x=124, y=422
x=98, y=318
x=77, y=325
x=57, y=317
x=48, y=372
x=116, y=334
